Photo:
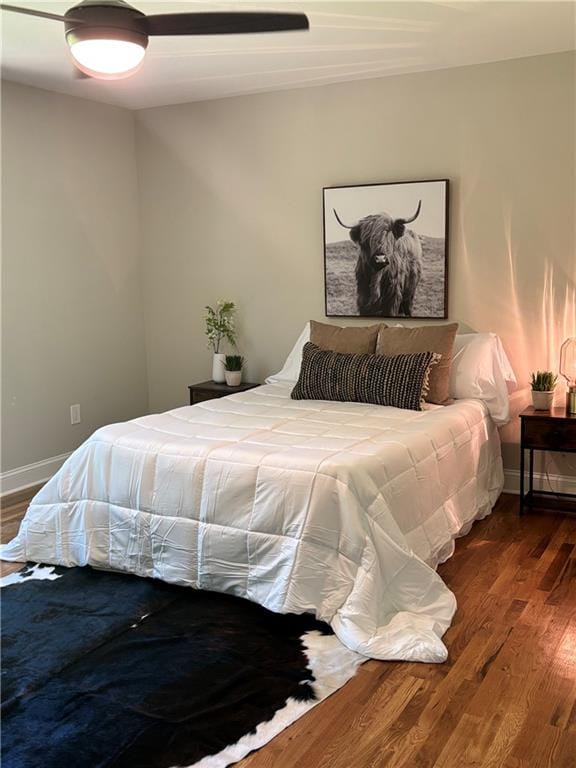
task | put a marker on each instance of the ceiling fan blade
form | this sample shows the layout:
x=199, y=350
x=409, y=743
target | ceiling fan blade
x=32, y=12
x=224, y=23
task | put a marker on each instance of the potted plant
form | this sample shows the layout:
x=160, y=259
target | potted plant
x=220, y=328
x=543, y=383
x=233, y=369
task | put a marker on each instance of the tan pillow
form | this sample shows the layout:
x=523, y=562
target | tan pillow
x=424, y=338
x=350, y=340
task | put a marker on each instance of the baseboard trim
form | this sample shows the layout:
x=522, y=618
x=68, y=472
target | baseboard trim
x=542, y=482
x=32, y=474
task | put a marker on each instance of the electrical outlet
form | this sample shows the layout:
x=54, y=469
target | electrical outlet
x=75, y=417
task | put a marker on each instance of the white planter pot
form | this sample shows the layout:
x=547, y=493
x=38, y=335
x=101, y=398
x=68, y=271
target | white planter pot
x=542, y=401
x=233, y=378
x=218, y=370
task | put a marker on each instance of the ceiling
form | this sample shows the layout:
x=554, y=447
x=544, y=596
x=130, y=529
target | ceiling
x=347, y=41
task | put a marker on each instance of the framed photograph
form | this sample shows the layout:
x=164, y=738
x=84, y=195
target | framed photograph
x=386, y=250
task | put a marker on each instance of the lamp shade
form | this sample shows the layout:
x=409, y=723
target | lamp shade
x=568, y=361
x=107, y=59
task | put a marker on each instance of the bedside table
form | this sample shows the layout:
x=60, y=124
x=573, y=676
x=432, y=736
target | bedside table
x=209, y=390
x=552, y=430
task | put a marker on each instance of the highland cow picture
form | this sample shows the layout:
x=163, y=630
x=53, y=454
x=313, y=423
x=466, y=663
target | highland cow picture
x=386, y=250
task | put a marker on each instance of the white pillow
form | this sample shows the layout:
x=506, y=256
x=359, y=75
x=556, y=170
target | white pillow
x=291, y=368
x=481, y=370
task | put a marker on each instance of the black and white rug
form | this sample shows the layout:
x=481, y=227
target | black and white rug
x=109, y=670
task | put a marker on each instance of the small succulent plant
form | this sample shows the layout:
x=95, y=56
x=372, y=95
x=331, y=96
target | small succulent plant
x=543, y=381
x=234, y=362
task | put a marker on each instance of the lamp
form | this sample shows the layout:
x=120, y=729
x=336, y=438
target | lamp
x=107, y=54
x=568, y=370
x=107, y=40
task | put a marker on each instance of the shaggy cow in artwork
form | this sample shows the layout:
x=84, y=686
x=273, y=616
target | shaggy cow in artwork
x=389, y=264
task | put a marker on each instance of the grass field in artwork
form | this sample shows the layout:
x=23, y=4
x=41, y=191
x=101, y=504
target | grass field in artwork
x=341, y=260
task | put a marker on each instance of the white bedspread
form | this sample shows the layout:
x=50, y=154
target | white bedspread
x=340, y=509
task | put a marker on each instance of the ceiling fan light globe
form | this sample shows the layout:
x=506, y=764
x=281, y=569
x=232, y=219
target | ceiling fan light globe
x=107, y=59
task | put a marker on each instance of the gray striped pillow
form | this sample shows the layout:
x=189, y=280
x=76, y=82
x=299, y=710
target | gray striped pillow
x=400, y=381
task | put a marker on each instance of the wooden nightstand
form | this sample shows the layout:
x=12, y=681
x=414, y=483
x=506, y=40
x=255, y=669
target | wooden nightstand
x=552, y=430
x=209, y=390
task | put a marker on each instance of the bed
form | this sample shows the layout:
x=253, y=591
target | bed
x=339, y=509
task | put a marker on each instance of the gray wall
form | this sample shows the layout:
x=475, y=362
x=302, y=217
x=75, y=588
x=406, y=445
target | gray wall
x=223, y=199
x=231, y=200
x=72, y=319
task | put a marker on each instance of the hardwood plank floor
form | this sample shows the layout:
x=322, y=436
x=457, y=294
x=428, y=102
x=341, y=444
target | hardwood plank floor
x=506, y=697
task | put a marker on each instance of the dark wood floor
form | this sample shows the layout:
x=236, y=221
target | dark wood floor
x=506, y=698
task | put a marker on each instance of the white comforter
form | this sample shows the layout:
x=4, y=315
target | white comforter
x=340, y=509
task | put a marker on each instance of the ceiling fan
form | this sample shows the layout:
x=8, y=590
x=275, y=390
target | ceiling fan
x=108, y=38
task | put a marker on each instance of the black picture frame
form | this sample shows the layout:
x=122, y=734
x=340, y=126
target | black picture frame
x=343, y=289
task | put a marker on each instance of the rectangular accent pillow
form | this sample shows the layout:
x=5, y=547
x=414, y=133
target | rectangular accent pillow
x=424, y=338
x=400, y=381
x=354, y=340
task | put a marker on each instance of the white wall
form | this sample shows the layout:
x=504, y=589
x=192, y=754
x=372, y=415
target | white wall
x=72, y=319
x=231, y=195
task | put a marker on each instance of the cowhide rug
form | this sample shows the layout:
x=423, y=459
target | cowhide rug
x=111, y=670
